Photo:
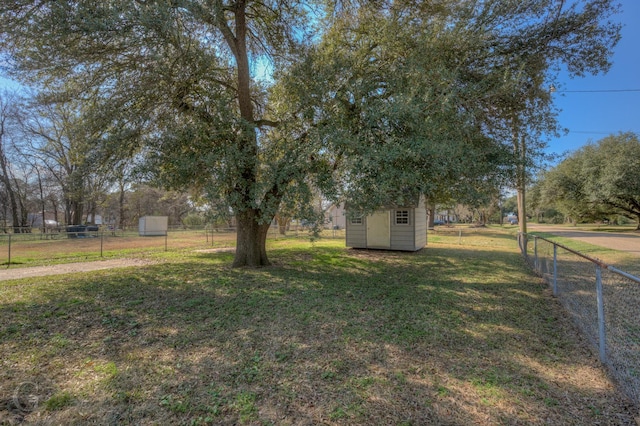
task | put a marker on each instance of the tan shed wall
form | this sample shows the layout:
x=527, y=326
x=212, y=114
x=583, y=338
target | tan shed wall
x=403, y=236
x=356, y=234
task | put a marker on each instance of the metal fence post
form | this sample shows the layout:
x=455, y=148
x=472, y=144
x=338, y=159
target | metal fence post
x=555, y=270
x=535, y=253
x=520, y=242
x=101, y=242
x=9, y=258
x=601, y=329
x=166, y=235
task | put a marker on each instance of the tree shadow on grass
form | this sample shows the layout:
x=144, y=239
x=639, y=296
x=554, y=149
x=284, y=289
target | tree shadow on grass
x=327, y=335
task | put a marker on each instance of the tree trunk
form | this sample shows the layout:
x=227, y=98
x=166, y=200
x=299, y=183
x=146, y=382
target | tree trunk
x=73, y=213
x=121, y=204
x=520, y=148
x=251, y=241
x=12, y=196
x=14, y=211
x=431, y=216
x=25, y=226
x=91, y=212
x=54, y=204
x=5, y=214
x=522, y=210
x=67, y=212
x=252, y=236
x=283, y=224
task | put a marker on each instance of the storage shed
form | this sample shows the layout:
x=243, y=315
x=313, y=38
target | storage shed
x=153, y=226
x=391, y=228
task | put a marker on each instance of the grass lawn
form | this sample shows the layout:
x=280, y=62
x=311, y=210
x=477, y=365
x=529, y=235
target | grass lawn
x=607, y=228
x=457, y=334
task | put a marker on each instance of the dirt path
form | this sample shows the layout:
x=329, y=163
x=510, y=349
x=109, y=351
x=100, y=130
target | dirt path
x=629, y=243
x=68, y=268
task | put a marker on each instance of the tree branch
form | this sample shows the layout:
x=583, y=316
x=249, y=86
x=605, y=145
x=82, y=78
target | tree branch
x=266, y=123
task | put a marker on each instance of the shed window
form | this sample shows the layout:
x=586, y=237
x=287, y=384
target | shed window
x=356, y=220
x=402, y=217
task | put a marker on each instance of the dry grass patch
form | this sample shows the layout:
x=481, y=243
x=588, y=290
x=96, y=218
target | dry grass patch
x=450, y=335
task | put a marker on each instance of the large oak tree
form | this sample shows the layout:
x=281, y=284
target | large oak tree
x=372, y=101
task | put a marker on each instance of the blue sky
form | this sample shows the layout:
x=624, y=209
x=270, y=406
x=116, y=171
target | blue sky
x=590, y=116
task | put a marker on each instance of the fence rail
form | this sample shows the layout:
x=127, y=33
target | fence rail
x=21, y=250
x=603, y=301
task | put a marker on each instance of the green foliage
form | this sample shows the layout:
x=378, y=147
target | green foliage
x=510, y=205
x=193, y=220
x=59, y=401
x=562, y=187
x=612, y=172
x=177, y=406
x=245, y=403
x=390, y=134
x=419, y=98
x=597, y=181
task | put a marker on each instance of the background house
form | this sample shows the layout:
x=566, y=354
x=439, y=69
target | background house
x=335, y=217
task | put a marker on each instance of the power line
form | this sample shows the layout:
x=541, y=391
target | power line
x=600, y=91
x=600, y=132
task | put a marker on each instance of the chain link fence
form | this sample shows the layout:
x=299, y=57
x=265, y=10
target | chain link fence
x=93, y=243
x=603, y=301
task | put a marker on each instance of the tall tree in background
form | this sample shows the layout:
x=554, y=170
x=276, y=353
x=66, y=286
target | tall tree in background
x=612, y=171
x=385, y=100
x=563, y=188
x=62, y=143
x=9, y=119
x=598, y=180
x=535, y=41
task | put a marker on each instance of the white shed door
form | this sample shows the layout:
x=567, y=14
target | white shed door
x=379, y=230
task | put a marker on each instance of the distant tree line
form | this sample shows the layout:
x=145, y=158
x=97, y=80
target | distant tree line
x=599, y=182
x=49, y=175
